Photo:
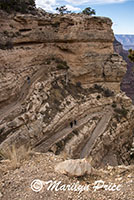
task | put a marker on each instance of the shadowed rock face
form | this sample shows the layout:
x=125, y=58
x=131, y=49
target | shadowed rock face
x=74, y=74
x=127, y=84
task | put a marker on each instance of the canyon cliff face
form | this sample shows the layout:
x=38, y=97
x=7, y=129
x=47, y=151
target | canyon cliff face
x=127, y=84
x=74, y=75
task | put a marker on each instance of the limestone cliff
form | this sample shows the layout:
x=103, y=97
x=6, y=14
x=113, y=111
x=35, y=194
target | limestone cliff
x=74, y=74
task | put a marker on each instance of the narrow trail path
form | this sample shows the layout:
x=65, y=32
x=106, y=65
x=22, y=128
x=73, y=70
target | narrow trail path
x=23, y=93
x=100, y=128
x=44, y=146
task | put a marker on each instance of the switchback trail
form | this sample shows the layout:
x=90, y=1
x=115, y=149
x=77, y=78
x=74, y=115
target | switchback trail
x=23, y=93
x=100, y=128
x=44, y=146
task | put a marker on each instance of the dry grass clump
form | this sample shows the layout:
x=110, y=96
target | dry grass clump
x=15, y=156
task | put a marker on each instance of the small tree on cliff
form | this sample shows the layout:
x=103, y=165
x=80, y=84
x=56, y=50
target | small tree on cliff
x=131, y=55
x=88, y=11
x=62, y=10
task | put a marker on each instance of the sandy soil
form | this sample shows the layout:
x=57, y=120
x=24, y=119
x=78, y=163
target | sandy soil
x=15, y=183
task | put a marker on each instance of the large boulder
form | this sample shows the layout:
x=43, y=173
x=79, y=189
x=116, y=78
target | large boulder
x=79, y=167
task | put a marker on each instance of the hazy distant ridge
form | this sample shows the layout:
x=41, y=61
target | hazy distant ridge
x=126, y=40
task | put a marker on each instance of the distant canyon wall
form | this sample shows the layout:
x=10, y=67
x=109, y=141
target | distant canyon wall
x=126, y=40
x=127, y=84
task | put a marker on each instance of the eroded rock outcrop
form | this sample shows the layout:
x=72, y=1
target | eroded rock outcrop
x=74, y=74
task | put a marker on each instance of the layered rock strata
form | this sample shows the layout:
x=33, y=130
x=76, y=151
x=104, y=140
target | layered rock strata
x=74, y=75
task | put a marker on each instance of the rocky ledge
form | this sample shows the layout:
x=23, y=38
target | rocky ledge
x=74, y=75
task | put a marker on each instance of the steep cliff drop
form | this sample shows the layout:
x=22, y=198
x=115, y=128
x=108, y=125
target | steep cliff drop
x=127, y=84
x=74, y=74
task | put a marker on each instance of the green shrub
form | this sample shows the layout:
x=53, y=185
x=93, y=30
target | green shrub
x=88, y=11
x=98, y=87
x=78, y=84
x=59, y=60
x=62, y=10
x=48, y=62
x=131, y=55
x=17, y=5
x=2, y=46
x=7, y=45
x=114, y=105
x=61, y=66
x=108, y=93
x=122, y=111
x=114, y=124
x=117, y=116
x=98, y=97
x=95, y=118
x=56, y=24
